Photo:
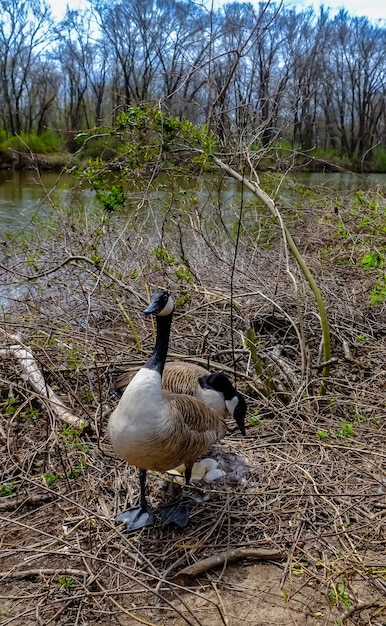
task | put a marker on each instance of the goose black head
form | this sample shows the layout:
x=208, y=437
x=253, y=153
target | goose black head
x=234, y=401
x=161, y=303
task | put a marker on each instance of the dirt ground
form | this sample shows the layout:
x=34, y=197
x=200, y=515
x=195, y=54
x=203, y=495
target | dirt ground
x=296, y=528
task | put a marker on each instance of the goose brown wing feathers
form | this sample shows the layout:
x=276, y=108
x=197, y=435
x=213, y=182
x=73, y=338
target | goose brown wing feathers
x=195, y=415
x=181, y=377
x=196, y=427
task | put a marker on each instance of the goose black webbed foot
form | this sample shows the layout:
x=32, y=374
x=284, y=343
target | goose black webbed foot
x=176, y=512
x=136, y=518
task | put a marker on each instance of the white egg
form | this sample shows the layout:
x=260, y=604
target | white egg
x=213, y=474
x=209, y=464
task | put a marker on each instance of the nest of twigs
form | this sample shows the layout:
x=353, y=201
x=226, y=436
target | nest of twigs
x=296, y=528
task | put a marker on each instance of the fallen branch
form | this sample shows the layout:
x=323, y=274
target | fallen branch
x=12, y=503
x=35, y=378
x=44, y=571
x=219, y=558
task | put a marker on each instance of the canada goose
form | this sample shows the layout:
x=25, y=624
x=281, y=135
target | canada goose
x=159, y=430
x=213, y=388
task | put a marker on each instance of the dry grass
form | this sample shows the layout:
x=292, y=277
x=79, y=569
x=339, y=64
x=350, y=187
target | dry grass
x=308, y=480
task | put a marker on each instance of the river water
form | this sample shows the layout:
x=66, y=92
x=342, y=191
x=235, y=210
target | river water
x=23, y=194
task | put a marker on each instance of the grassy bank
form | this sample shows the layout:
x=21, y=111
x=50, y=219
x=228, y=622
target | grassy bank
x=49, y=150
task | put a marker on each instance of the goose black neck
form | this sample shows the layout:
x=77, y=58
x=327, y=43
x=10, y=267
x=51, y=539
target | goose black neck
x=157, y=360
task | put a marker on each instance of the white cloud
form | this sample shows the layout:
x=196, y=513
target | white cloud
x=373, y=9
x=59, y=7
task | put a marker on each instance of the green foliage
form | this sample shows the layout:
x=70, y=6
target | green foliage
x=31, y=413
x=96, y=259
x=111, y=199
x=360, y=417
x=51, y=479
x=76, y=471
x=299, y=569
x=183, y=274
x=181, y=271
x=372, y=260
x=362, y=226
x=97, y=146
x=347, y=430
x=342, y=230
x=323, y=434
x=46, y=142
x=327, y=155
x=10, y=405
x=165, y=131
x=183, y=296
x=7, y=489
x=65, y=583
x=378, y=293
x=338, y=593
x=71, y=437
x=161, y=254
x=145, y=140
x=254, y=419
x=88, y=397
x=360, y=196
x=379, y=158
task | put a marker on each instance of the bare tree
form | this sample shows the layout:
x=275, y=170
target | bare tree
x=134, y=33
x=41, y=111
x=84, y=65
x=355, y=83
x=252, y=73
x=25, y=32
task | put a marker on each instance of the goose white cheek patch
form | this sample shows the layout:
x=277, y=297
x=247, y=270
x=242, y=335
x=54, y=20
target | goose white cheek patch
x=168, y=308
x=232, y=404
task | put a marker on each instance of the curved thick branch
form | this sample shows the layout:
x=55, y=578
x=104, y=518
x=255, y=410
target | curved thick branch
x=259, y=193
x=219, y=558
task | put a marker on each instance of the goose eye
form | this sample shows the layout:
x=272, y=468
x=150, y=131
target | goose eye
x=159, y=301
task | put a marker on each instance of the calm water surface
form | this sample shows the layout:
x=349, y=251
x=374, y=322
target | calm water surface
x=342, y=181
x=23, y=195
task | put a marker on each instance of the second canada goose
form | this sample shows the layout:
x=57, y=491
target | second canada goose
x=157, y=430
x=213, y=388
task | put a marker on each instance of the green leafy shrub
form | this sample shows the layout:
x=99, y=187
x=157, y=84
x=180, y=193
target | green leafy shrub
x=378, y=293
x=372, y=260
x=46, y=142
x=379, y=158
